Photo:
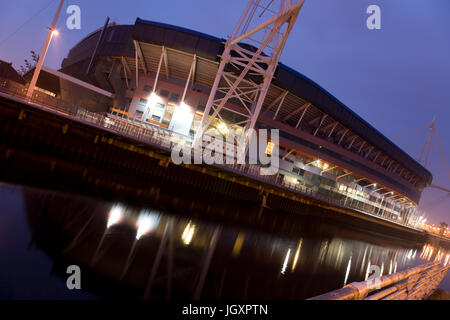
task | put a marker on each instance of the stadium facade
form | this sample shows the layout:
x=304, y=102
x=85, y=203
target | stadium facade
x=141, y=72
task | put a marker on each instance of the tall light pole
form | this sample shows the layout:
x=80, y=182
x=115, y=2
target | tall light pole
x=52, y=31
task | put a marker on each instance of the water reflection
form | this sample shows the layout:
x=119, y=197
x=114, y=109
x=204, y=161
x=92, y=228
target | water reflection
x=132, y=252
x=431, y=253
x=188, y=233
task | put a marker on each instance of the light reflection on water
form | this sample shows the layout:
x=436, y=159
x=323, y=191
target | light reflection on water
x=133, y=252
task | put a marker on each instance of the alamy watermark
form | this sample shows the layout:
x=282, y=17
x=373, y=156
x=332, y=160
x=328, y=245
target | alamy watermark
x=74, y=19
x=74, y=279
x=373, y=22
x=252, y=147
x=374, y=274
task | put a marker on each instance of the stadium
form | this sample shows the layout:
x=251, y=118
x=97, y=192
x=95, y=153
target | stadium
x=142, y=73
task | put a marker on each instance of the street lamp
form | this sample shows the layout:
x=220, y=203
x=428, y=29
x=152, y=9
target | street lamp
x=52, y=32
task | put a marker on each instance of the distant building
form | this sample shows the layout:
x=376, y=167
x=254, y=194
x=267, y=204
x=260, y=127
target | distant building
x=53, y=84
x=10, y=79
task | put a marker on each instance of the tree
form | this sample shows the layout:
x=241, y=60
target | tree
x=23, y=69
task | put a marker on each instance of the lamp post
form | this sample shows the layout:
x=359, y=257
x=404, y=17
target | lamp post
x=52, y=31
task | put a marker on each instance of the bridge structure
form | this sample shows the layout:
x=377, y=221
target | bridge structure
x=416, y=283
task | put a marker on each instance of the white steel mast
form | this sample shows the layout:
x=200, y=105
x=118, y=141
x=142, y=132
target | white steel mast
x=248, y=64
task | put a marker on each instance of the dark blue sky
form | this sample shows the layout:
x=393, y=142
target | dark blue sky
x=396, y=78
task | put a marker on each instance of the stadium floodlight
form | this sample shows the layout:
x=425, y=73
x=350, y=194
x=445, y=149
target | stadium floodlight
x=152, y=100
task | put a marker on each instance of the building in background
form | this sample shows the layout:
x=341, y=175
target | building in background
x=10, y=79
x=58, y=85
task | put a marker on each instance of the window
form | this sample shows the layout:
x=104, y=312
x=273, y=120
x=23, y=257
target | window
x=142, y=103
x=298, y=171
x=147, y=88
x=158, y=112
x=289, y=160
x=164, y=93
x=52, y=94
x=269, y=148
x=138, y=114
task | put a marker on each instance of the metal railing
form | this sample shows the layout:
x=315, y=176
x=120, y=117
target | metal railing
x=412, y=284
x=152, y=134
x=333, y=197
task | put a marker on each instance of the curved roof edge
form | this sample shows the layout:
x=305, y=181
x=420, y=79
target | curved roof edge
x=347, y=119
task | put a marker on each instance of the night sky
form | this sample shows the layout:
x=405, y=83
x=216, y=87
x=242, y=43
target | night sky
x=396, y=78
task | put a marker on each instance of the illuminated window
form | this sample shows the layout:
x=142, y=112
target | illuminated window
x=157, y=112
x=269, y=147
x=143, y=101
x=298, y=171
x=138, y=114
x=52, y=94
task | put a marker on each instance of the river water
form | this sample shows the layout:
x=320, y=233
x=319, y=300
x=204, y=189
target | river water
x=133, y=252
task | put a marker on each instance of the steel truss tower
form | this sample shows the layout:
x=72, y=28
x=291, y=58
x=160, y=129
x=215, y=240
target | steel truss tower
x=248, y=64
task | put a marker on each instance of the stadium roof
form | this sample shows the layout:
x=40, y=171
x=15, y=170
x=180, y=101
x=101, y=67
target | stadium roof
x=209, y=48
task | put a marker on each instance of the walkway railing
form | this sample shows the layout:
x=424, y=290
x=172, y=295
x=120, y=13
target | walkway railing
x=412, y=284
x=163, y=137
